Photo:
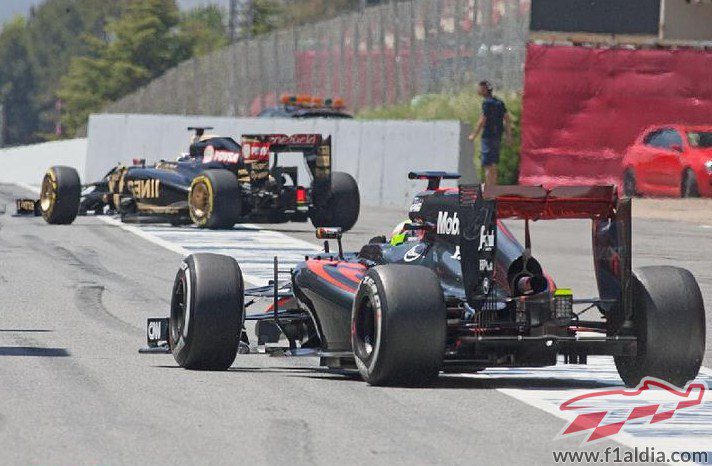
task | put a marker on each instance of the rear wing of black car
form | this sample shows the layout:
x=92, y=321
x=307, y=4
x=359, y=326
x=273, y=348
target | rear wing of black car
x=316, y=150
x=610, y=215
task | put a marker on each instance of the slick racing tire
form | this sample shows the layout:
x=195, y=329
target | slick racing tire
x=689, y=187
x=343, y=206
x=398, y=323
x=214, y=200
x=669, y=323
x=207, y=312
x=60, y=195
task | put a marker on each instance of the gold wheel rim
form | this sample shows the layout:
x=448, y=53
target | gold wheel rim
x=199, y=201
x=47, y=194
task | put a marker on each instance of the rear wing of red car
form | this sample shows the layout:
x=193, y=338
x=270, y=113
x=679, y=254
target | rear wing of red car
x=611, y=238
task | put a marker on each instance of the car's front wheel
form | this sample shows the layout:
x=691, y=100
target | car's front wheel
x=207, y=312
x=398, y=324
x=669, y=324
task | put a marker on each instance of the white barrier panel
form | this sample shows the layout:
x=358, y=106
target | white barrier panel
x=378, y=154
x=27, y=164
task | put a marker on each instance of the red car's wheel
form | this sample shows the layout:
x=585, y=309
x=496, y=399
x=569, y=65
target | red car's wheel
x=630, y=188
x=689, y=187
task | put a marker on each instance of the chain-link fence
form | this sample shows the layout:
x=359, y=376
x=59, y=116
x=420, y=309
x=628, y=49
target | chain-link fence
x=383, y=55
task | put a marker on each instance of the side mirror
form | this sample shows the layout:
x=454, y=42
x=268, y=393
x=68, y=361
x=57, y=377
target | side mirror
x=676, y=147
x=327, y=233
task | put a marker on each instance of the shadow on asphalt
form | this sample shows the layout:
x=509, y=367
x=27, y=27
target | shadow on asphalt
x=32, y=351
x=25, y=330
x=448, y=382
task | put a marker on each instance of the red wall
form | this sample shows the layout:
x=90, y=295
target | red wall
x=583, y=106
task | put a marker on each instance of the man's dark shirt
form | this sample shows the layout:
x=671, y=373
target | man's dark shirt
x=493, y=110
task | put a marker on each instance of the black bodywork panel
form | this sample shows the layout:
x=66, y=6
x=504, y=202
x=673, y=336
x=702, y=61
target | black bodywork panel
x=501, y=303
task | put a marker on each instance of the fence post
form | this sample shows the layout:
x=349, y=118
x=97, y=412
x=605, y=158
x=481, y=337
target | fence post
x=354, y=93
x=328, y=49
x=276, y=68
x=439, y=70
x=342, y=56
x=369, y=62
x=458, y=77
x=413, y=50
x=315, y=39
x=487, y=30
x=426, y=62
x=398, y=68
x=382, y=42
x=295, y=58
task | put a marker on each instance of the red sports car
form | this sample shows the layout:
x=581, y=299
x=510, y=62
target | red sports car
x=671, y=160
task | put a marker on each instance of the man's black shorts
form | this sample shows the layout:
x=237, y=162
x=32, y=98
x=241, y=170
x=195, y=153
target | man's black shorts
x=490, y=151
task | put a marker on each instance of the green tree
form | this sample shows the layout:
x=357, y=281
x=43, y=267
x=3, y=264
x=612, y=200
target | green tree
x=261, y=16
x=57, y=32
x=142, y=43
x=202, y=30
x=17, y=84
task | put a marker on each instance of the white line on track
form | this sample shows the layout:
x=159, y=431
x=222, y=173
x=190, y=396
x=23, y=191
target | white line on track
x=253, y=247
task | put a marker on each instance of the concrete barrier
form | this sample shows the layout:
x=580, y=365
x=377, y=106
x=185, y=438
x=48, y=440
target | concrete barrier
x=378, y=154
x=27, y=164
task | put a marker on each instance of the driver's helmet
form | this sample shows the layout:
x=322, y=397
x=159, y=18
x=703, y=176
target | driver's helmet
x=400, y=234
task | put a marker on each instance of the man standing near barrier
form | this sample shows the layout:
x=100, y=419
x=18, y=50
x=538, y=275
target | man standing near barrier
x=493, y=123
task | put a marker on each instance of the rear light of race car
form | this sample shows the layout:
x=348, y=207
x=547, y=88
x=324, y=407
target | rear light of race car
x=301, y=195
x=563, y=304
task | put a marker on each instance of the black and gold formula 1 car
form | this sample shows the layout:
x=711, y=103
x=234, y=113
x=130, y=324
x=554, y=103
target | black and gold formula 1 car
x=453, y=290
x=218, y=183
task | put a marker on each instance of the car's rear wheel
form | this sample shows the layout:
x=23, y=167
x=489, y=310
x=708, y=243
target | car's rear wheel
x=343, y=206
x=669, y=323
x=207, y=312
x=60, y=195
x=689, y=187
x=214, y=200
x=630, y=188
x=398, y=326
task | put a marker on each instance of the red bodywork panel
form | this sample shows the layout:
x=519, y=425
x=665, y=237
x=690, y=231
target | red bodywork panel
x=342, y=274
x=257, y=147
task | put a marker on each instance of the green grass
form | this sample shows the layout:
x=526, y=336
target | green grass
x=464, y=106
